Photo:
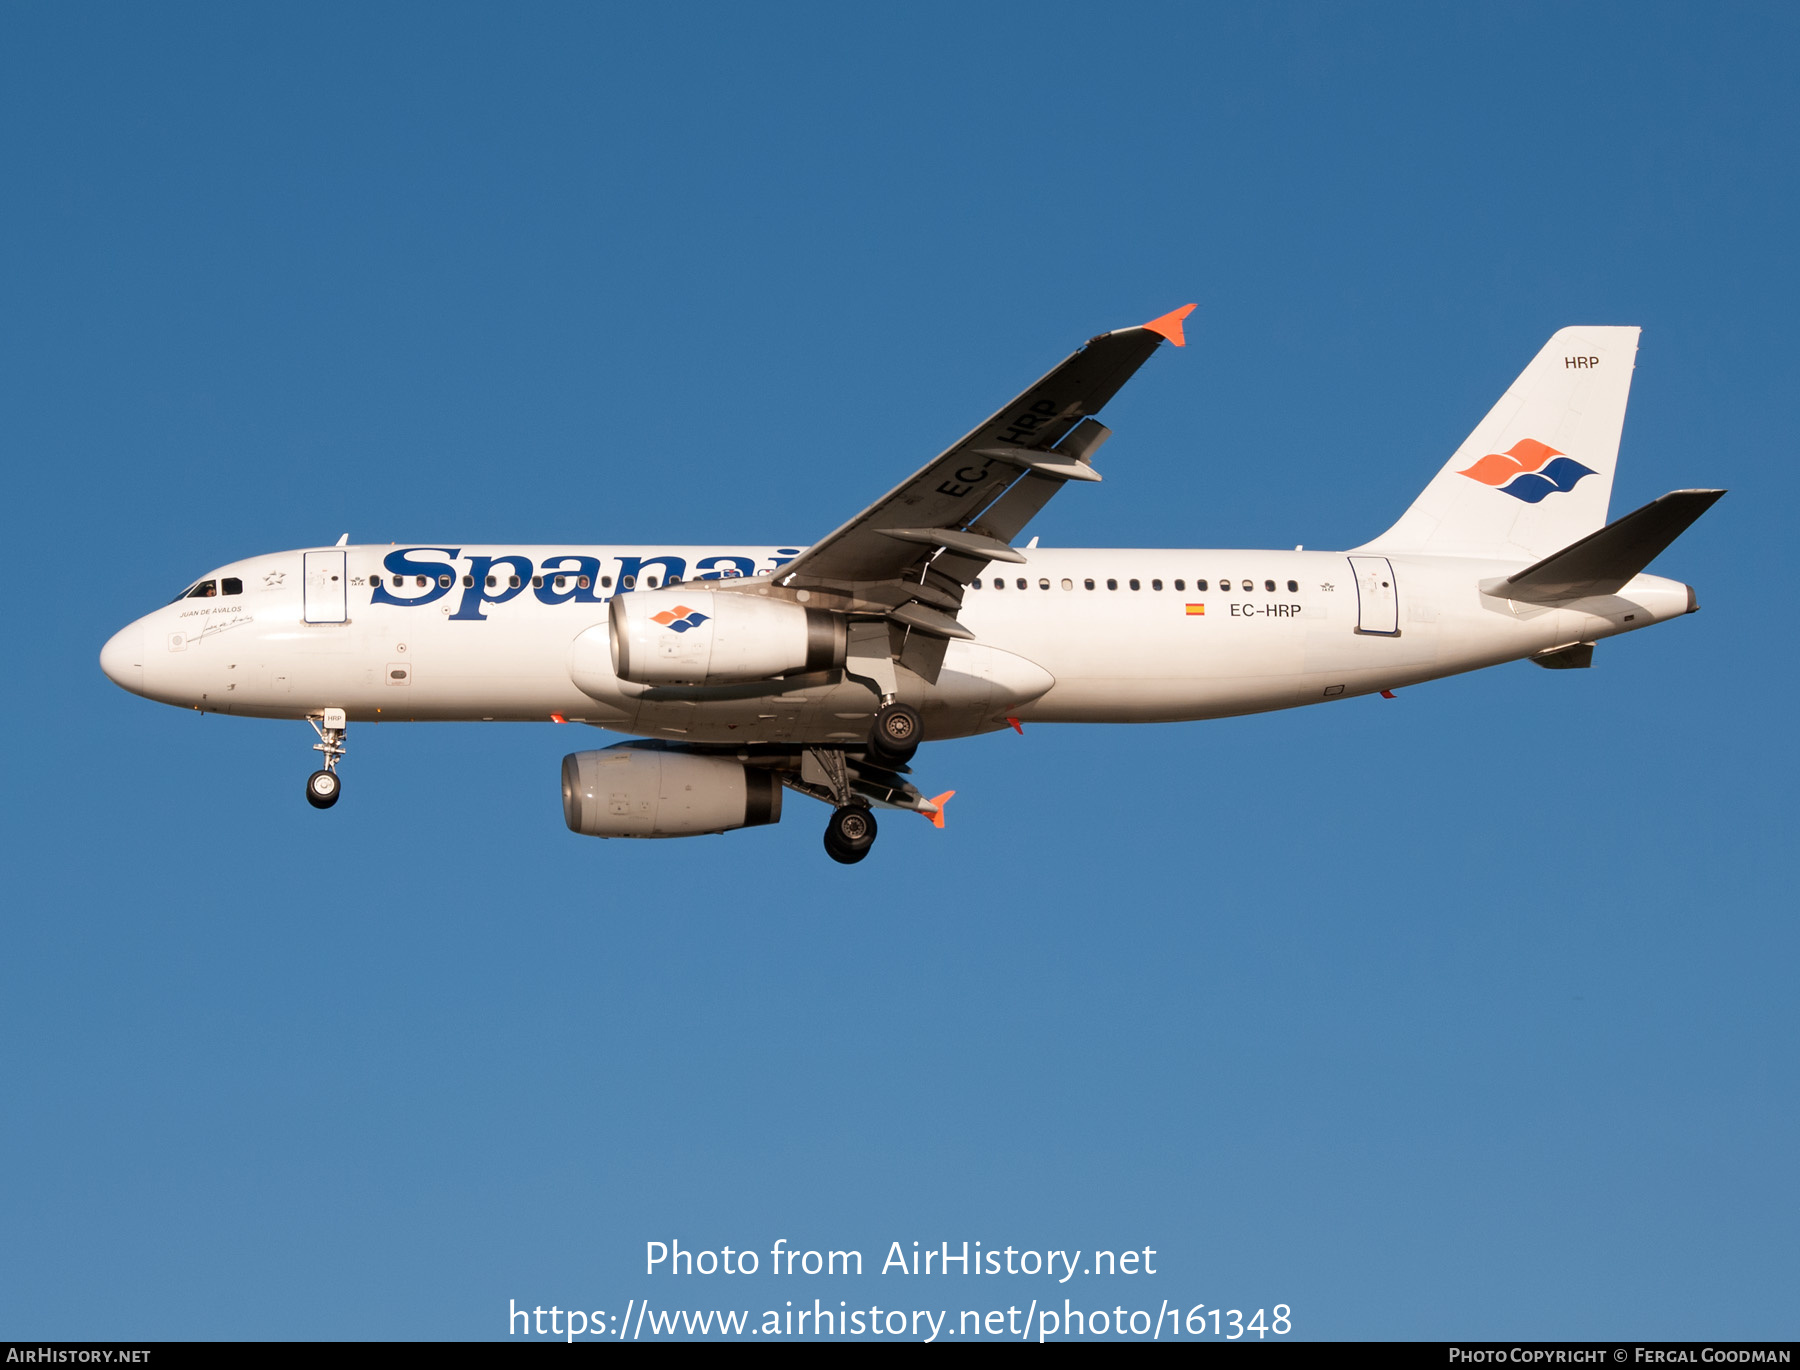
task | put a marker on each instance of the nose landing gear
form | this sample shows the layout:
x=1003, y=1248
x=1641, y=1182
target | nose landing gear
x=323, y=786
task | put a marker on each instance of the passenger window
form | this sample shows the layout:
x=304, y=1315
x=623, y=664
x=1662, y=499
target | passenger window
x=975, y=584
x=650, y=581
x=1293, y=587
x=583, y=582
x=492, y=581
x=1200, y=585
x=513, y=581
x=1156, y=585
x=628, y=582
x=537, y=582
x=375, y=580
x=999, y=584
x=1181, y=585
x=231, y=585
x=444, y=582
x=1089, y=582
x=1134, y=585
x=1249, y=584
x=1269, y=585
x=1022, y=583
x=673, y=580
x=1112, y=584
x=561, y=582
x=206, y=589
x=1044, y=583
x=605, y=582
x=1068, y=584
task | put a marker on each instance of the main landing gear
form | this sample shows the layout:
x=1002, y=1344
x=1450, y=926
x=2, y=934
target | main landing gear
x=851, y=784
x=896, y=736
x=825, y=774
x=850, y=833
x=323, y=787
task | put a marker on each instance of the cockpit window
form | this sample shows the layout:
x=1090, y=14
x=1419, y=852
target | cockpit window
x=206, y=589
x=231, y=585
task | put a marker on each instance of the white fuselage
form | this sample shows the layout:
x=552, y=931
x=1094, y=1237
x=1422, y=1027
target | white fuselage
x=1055, y=651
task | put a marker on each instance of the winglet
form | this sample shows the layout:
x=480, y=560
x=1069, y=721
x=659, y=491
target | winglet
x=936, y=811
x=1169, y=325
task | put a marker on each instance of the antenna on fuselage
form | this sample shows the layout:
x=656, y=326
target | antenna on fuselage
x=343, y=540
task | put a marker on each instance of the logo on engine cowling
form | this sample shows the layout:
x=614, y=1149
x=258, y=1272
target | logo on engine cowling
x=679, y=619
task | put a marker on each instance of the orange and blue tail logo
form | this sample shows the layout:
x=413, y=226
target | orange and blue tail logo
x=679, y=619
x=1528, y=470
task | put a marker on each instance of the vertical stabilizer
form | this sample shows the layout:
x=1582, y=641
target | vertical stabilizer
x=1537, y=472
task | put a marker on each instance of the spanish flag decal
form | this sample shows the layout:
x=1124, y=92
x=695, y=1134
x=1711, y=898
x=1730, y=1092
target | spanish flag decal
x=1196, y=609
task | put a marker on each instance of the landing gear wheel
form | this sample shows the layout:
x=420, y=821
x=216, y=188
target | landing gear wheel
x=850, y=834
x=323, y=789
x=898, y=732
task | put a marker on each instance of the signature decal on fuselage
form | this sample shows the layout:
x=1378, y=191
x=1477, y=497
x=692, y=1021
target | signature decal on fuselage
x=416, y=576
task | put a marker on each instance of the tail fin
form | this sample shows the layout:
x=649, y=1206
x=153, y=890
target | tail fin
x=1537, y=472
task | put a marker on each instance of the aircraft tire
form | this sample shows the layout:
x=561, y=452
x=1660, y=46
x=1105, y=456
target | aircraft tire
x=323, y=789
x=850, y=834
x=898, y=731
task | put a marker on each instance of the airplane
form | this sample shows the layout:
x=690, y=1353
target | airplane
x=742, y=672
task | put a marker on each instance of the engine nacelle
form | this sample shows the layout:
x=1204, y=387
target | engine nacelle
x=689, y=636
x=643, y=789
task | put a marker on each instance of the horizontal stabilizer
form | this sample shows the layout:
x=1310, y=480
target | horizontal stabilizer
x=1602, y=563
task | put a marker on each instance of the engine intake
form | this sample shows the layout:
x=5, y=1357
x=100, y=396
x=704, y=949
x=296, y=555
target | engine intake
x=646, y=789
x=690, y=636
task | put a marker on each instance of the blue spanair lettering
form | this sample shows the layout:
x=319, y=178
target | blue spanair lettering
x=721, y=567
x=477, y=593
x=400, y=563
x=560, y=566
x=634, y=567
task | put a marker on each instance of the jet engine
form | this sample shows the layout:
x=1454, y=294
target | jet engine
x=689, y=636
x=647, y=789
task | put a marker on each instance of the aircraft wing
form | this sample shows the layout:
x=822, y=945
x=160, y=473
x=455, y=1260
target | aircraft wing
x=929, y=536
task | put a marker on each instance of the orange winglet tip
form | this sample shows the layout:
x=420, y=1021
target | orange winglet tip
x=1017, y=726
x=1169, y=325
x=558, y=718
x=936, y=814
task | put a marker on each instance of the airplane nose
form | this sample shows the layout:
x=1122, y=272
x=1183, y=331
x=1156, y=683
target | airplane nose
x=122, y=658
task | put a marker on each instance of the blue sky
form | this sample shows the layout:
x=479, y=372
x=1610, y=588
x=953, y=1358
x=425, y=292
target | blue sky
x=1466, y=1014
